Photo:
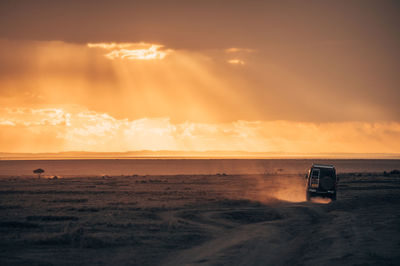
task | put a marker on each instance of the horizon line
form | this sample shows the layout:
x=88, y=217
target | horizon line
x=217, y=154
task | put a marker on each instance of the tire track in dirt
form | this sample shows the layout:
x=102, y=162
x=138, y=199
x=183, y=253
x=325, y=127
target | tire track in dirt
x=246, y=244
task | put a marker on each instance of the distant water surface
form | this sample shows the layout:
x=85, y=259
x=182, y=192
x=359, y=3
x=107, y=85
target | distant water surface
x=88, y=167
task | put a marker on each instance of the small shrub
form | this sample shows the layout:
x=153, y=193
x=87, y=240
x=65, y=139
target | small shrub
x=38, y=171
x=395, y=172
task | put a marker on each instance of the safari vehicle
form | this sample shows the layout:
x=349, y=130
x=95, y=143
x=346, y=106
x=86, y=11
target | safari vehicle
x=321, y=181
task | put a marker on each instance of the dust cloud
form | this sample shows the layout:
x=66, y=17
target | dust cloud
x=273, y=187
x=267, y=188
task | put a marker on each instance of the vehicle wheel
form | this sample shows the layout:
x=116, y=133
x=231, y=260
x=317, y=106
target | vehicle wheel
x=308, y=196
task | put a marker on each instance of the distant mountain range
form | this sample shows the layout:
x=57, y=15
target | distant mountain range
x=191, y=154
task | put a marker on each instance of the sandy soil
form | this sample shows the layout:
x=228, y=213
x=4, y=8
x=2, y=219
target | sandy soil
x=198, y=220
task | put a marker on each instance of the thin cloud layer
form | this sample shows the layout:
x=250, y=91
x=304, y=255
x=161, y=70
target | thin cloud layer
x=91, y=131
x=236, y=62
x=239, y=50
x=132, y=51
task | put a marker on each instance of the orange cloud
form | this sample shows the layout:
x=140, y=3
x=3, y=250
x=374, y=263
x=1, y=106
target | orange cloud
x=132, y=51
x=238, y=50
x=34, y=117
x=111, y=45
x=92, y=131
x=236, y=62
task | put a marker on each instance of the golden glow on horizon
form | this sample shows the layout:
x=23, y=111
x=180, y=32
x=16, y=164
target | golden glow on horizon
x=57, y=129
x=132, y=51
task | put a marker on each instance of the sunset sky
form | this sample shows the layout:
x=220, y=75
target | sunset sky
x=264, y=76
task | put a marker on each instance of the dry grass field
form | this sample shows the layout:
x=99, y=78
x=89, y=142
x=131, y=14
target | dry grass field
x=198, y=220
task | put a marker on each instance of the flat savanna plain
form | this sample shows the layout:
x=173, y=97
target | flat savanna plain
x=198, y=220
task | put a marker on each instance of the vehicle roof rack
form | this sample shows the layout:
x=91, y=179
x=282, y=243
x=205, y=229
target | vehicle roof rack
x=323, y=165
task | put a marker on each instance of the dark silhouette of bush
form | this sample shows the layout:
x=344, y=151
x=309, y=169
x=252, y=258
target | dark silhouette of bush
x=395, y=172
x=38, y=171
